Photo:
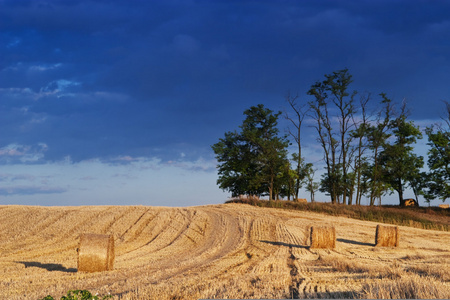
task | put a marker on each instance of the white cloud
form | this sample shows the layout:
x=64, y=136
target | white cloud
x=17, y=93
x=44, y=67
x=15, y=153
x=32, y=67
x=58, y=88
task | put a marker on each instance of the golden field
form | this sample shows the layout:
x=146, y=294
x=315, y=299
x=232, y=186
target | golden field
x=219, y=251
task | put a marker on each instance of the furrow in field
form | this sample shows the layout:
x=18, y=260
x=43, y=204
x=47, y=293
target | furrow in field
x=220, y=238
x=241, y=258
x=157, y=234
x=140, y=213
x=118, y=221
x=138, y=234
x=38, y=233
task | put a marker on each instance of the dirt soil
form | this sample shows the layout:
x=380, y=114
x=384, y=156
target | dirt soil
x=224, y=251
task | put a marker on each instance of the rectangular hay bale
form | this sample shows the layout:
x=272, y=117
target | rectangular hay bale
x=386, y=236
x=96, y=252
x=322, y=237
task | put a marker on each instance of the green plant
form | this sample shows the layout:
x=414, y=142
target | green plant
x=78, y=295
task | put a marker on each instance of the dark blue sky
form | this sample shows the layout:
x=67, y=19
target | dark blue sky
x=98, y=91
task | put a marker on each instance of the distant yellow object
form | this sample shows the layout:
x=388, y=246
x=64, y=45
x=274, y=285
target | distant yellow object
x=301, y=200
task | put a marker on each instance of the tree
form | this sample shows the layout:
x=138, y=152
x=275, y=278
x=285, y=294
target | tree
x=311, y=186
x=359, y=134
x=287, y=182
x=333, y=91
x=325, y=136
x=251, y=161
x=438, y=183
x=237, y=166
x=297, y=121
x=377, y=136
x=399, y=164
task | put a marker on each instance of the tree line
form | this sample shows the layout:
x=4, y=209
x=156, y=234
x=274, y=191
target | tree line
x=366, y=152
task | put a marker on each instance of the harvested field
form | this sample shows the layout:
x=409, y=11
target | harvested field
x=221, y=251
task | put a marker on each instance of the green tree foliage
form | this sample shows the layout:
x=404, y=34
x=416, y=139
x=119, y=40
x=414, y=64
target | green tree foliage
x=253, y=160
x=311, y=186
x=237, y=165
x=438, y=183
x=399, y=164
x=439, y=164
x=377, y=134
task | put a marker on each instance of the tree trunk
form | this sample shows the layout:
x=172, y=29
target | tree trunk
x=271, y=187
x=400, y=191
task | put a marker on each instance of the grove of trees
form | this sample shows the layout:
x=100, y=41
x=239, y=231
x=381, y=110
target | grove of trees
x=367, y=145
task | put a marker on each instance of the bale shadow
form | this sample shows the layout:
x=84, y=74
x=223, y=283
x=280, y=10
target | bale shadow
x=355, y=242
x=48, y=267
x=284, y=244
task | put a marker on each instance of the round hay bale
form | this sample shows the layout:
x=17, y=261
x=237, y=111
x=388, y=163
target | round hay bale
x=386, y=236
x=95, y=252
x=323, y=237
x=409, y=202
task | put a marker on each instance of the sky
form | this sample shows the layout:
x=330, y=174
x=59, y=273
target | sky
x=118, y=102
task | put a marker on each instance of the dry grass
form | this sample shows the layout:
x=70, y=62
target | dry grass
x=224, y=251
x=408, y=287
x=396, y=281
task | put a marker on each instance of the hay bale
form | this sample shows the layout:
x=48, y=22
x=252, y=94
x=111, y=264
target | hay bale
x=386, y=236
x=409, y=202
x=301, y=200
x=95, y=252
x=322, y=237
x=444, y=205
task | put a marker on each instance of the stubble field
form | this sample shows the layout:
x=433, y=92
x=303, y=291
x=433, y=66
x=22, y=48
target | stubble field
x=220, y=251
